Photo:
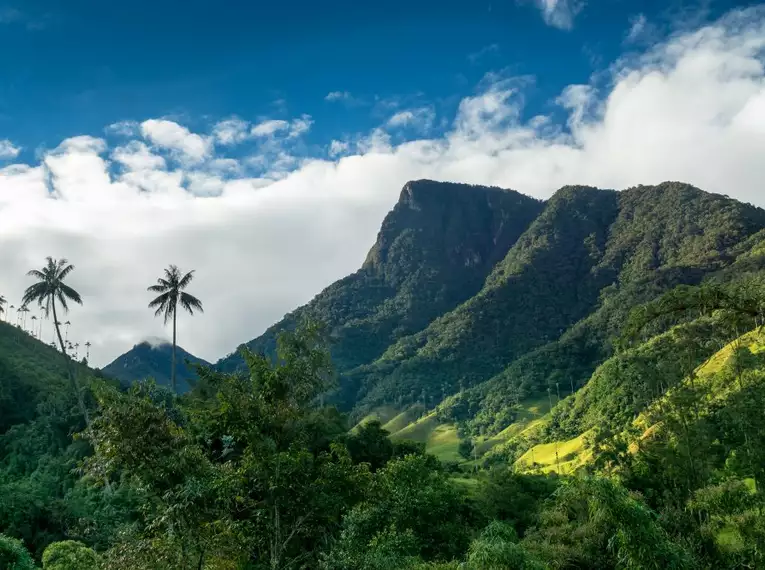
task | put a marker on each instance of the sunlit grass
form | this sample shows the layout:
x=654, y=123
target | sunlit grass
x=570, y=455
x=440, y=440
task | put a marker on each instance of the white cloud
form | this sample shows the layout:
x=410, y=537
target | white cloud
x=637, y=27
x=560, y=13
x=336, y=148
x=172, y=136
x=693, y=109
x=300, y=126
x=269, y=127
x=136, y=156
x=123, y=128
x=338, y=96
x=8, y=149
x=420, y=118
x=231, y=131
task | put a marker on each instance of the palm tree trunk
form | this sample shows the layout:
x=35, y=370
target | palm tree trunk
x=72, y=378
x=172, y=372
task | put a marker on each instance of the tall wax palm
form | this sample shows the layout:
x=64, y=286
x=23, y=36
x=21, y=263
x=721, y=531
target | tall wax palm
x=34, y=326
x=87, y=346
x=3, y=302
x=171, y=294
x=49, y=289
x=66, y=334
x=24, y=310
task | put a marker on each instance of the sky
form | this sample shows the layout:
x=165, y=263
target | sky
x=262, y=144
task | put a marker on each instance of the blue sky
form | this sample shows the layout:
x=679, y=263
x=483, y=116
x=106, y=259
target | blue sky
x=70, y=68
x=263, y=144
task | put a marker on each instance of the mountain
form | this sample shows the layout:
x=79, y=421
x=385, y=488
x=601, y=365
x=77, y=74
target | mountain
x=473, y=298
x=154, y=360
x=433, y=252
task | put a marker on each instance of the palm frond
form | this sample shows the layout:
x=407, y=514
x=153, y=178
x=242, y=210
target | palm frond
x=173, y=274
x=162, y=300
x=62, y=300
x=190, y=303
x=64, y=269
x=70, y=293
x=186, y=279
x=36, y=292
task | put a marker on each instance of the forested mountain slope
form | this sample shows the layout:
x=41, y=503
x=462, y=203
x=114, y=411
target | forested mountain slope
x=492, y=297
x=30, y=371
x=571, y=278
x=434, y=251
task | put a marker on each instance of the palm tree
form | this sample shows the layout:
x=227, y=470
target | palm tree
x=24, y=310
x=34, y=327
x=88, y=345
x=66, y=334
x=2, y=309
x=76, y=349
x=49, y=289
x=170, y=287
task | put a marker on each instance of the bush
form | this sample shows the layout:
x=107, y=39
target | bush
x=13, y=555
x=69, y=555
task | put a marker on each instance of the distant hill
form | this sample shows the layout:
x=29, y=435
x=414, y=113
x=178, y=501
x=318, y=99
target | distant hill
x=150, y=359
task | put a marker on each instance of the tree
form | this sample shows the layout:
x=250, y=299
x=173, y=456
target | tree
x=69, y=555
x=13, y=555
x=171, y=289
x=2, y=308
x=49, y=289
x=24, y=310
x=34, y=325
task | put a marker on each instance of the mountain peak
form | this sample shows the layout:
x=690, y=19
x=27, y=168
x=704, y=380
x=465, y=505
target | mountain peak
x=154, y=342
x=152, y=358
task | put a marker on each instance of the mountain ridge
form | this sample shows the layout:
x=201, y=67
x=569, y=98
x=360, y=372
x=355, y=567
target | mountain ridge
x=587, y=256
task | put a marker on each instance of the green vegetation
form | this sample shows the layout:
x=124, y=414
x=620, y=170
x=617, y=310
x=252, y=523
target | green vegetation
x=504, y=384
x=433, y=252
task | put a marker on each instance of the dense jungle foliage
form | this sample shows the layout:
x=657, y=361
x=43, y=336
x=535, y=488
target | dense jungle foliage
x=598, y=370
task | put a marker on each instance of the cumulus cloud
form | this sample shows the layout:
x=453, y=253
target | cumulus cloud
x=177, y=138
x=136, y=156
x=560, y=13
x=691, y=109
x=8, y=149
